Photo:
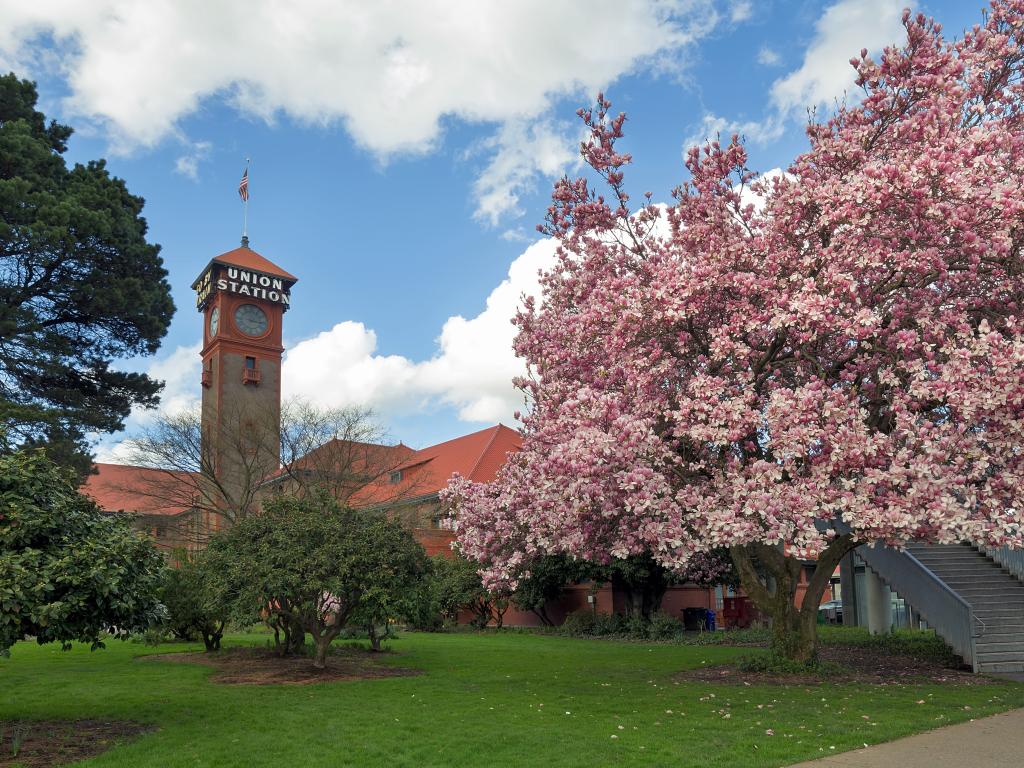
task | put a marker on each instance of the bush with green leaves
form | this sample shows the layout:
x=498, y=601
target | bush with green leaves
x=308, y=565
x=456, y=586
x=547, y=577
x=68, y=571
x=193, y=611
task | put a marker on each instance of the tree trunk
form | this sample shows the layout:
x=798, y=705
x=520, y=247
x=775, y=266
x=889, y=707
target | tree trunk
x=542, y=614
x=375, y=637
x=212, y=636
x=320, y=657
x=794, y=627
x=295, y=637
x=498, y=607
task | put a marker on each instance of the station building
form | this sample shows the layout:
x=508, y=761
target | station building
x=243, y=298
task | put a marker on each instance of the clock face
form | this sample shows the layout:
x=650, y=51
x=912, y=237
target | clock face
x=251, y=320
x=214, y=321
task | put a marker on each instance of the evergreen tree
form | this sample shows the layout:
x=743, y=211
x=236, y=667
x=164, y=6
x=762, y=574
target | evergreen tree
x=79, y=288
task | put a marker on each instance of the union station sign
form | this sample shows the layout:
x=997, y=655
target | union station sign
x=242, y=282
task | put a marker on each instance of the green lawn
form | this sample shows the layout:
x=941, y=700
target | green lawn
x=496, y=699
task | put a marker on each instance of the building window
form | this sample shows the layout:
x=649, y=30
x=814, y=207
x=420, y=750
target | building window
x=250, y=363
x=396, y=476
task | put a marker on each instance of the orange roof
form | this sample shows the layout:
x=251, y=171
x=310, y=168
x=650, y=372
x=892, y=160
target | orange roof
x=476, y=456
x=247, y=258
x=124, y=488
x=350, y=456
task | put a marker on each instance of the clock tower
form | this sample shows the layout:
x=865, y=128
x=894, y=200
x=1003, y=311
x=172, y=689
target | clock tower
x=243, y=297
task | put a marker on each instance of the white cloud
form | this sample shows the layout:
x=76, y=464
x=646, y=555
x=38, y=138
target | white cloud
x=180, y=371
x=390, y=71
x=523, y=151
x=471, y=370
x=188, y=164
x=768, y=57
x=740, y=10
x=825, y=73
x=716, y=127
x=841, y=32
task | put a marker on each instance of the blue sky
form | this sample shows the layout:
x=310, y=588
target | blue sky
x=402, y=153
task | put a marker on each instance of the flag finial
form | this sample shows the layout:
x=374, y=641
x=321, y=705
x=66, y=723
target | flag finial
x=243, y=193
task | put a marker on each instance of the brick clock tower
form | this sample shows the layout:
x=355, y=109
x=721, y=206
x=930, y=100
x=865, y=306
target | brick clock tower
x=243, y=297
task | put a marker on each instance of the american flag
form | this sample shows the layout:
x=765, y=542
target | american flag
x=243, y=186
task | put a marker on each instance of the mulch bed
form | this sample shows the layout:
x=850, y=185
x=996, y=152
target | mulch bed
x=41, y=743
x=259, y=666
x=856, y=665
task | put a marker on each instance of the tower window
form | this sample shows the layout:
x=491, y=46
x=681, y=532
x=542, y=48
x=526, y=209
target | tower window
x=396, y=476
x=250, y=374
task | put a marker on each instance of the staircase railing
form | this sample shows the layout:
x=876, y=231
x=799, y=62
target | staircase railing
x=1011, y=559
x=946, y=612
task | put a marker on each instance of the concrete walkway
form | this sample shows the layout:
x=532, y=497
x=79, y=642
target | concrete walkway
x=992, y=742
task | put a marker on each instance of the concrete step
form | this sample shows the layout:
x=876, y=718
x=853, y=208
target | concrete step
x=984, y=649
x=985, y=583
x=962, y=569
x=1012, y=656
x=985, y=598
x=991, y=618
x=1001, y=666
x=984, y=588
x=1003, y=630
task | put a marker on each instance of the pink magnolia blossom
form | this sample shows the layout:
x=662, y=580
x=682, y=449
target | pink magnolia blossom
x=716, y=374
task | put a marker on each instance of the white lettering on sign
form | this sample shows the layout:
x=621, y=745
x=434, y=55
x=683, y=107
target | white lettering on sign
x=258, y=286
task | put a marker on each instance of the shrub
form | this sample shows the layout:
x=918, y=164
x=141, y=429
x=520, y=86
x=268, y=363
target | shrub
x=772, y=663
x=193, y=612
x=663, y=626
x=579, y=623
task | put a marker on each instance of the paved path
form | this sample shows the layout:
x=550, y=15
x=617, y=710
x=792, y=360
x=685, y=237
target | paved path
x=991, y=742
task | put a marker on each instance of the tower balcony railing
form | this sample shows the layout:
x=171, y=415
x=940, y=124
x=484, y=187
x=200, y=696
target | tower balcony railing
x=251, y=376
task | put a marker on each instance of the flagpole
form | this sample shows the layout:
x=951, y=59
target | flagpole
x=245, y=208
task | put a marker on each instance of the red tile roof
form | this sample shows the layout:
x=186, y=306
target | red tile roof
x=124, y=488
x=477, y=456
x=247, y=258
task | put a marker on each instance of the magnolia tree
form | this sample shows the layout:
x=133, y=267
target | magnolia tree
x=838, y=364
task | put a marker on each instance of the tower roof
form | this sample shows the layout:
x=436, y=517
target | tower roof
x=246, y=258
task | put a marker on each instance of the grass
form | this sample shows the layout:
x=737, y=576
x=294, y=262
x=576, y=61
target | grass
x=511, y=699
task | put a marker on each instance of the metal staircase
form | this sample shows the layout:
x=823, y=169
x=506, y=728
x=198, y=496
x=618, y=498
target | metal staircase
x=995, y=597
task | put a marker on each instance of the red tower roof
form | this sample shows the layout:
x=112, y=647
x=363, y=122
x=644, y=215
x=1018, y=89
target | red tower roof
x=246, y=258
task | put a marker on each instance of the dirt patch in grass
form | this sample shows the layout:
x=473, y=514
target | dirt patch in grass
x=845, y=664
x=41, y=743
x=258, y=666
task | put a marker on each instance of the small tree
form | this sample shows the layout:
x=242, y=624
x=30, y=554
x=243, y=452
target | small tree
x=457, y=586
x=308, y=565
x=547, y=578
x=396, y=566
x=68, y=572
x=193, y=612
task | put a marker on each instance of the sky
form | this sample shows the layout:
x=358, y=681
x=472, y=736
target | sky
x=402, y=154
